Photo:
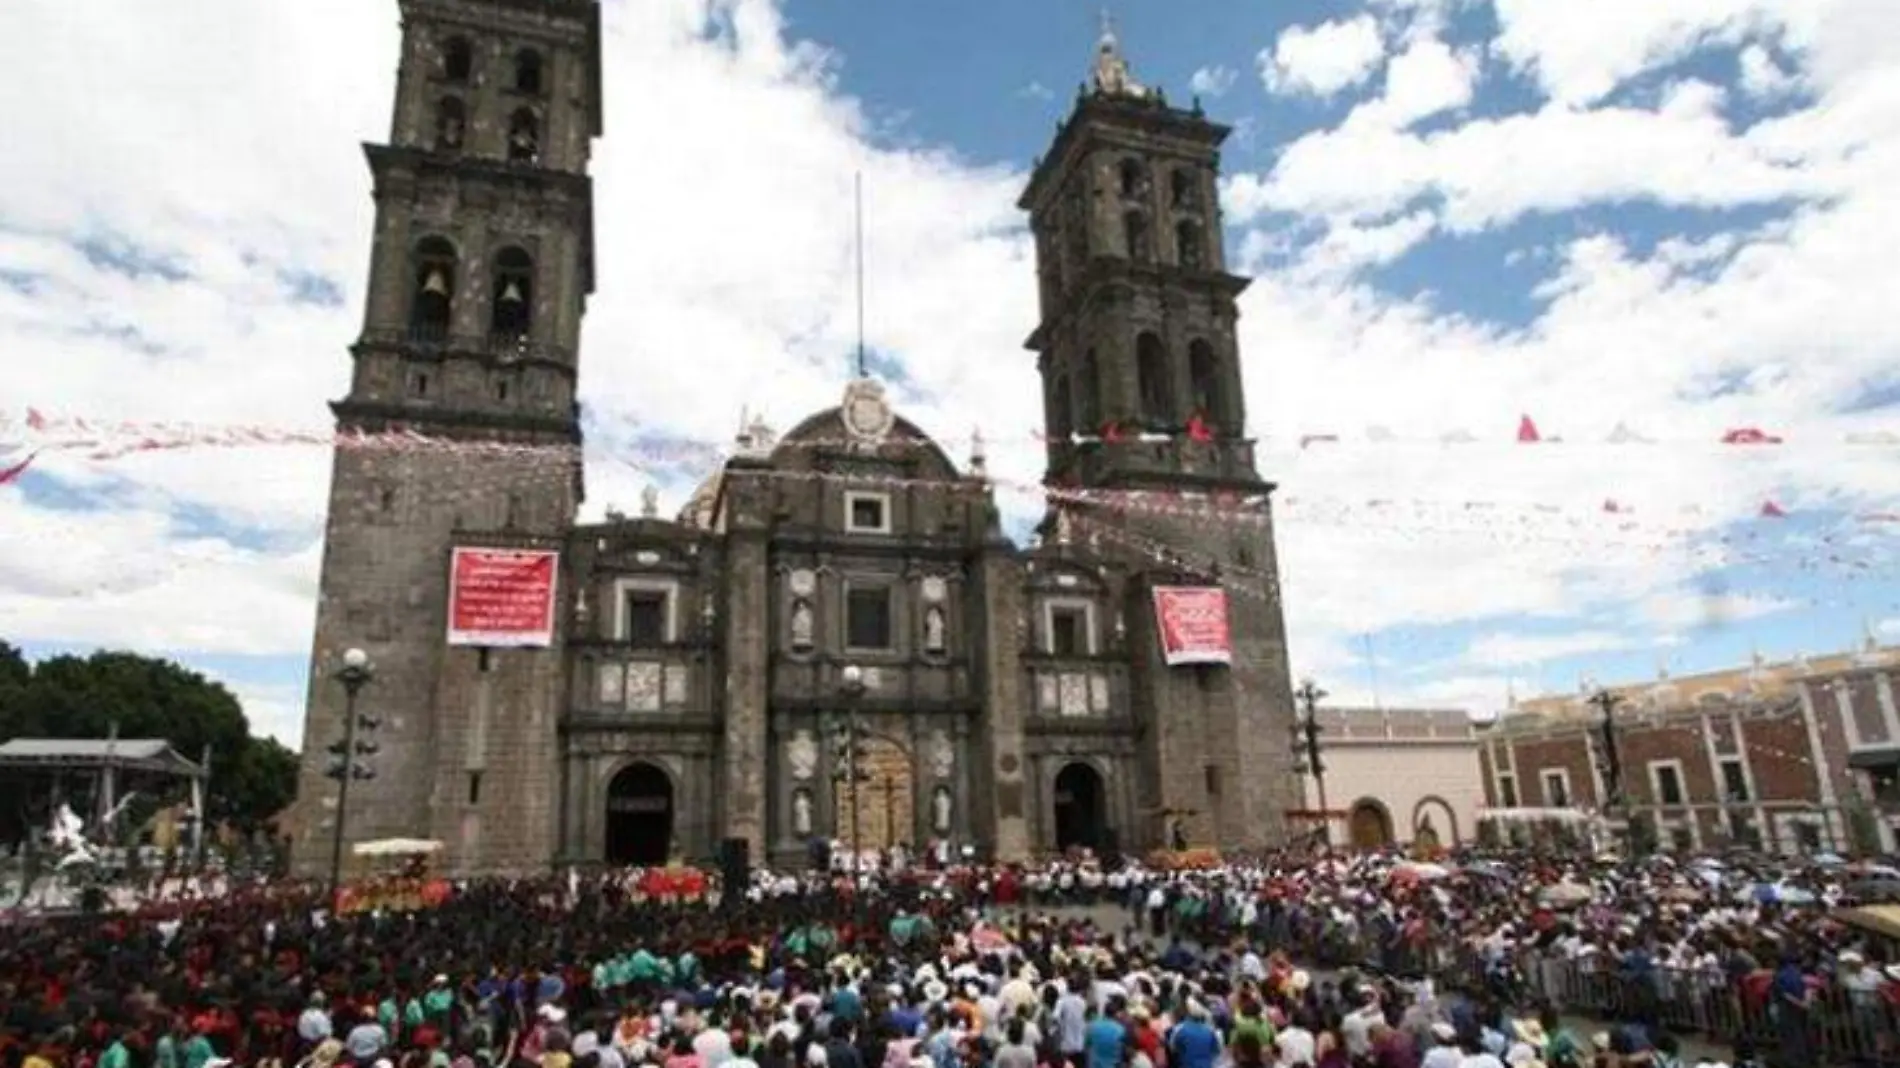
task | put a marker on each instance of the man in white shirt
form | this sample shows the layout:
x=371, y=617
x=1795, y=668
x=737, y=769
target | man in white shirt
x=1296, y=1046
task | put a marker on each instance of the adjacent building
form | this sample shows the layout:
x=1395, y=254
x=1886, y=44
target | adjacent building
x=1795, y=755
x=834, y=639
x=1397, y=776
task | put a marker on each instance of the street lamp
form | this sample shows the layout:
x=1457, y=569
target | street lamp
x=851, y=684
x=1306, y=732
x=354, y=675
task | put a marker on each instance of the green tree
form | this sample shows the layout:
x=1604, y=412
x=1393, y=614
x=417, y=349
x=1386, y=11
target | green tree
x=252, y=779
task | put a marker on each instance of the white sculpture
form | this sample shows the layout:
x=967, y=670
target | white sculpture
x=1111, y=70
x=801, y=812
x=802, y=625
x=803, y=755
x=940, y=810
x=933, y=630
x=650, y=502
x=68, y=838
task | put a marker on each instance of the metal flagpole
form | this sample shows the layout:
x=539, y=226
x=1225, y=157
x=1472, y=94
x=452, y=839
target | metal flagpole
x=858, y=192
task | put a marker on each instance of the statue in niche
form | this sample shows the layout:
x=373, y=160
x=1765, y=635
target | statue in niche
x=933, y=630
x=650, y=502
x=940, y=810
x=801, y=812
x=803, y=625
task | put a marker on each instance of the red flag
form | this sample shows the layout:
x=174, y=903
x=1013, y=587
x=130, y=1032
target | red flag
x=34, y=420
x=1197, y=428
x=1771, y=510
x=1527, y=431
x=9, y=474
x=1749, y=435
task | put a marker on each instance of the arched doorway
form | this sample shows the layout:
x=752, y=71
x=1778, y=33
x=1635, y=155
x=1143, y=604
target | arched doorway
x=1370, y=825
x=640, y=816
x=1081, y=807
x=1434, y=824
x=887, y=801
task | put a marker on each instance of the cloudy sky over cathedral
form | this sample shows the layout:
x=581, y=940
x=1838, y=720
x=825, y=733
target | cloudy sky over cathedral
x=1570, y=345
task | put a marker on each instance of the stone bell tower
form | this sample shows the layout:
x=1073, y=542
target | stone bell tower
x=482, y=263
x=1142, y=390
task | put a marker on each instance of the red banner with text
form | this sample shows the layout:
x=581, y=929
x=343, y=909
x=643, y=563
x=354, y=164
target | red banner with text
x=503, y=598
x=1192, y=622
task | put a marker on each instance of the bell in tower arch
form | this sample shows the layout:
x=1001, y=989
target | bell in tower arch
x=436, y=285
x=511, y=294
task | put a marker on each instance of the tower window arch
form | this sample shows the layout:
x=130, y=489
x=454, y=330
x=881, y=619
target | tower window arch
x=524, y=137
x=511, y=313
x=1189, y=247
x=1135, y=235
x=432, y=304
x=458, y=60
x=451, y=124
x=1183, y=191
x=1151, y=381
x=1061, y=409
x=1133, y=178
x=1088, y=394
x=1204, y=381
x=529, y=70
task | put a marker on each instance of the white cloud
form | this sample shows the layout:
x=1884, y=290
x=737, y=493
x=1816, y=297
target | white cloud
x=1519, y=650
x=716, y=295
x=1581, y=53
x=1325, y=59
x=1762, y=75
x=1427, y=79
x=1213, y=81
x=1888, y=628
x=1492, y=171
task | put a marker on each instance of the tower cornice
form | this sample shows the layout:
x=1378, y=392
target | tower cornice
x=1102, y=118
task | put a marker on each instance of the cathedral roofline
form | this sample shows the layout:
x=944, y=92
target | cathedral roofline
x=1096, y=112
x=902, y=430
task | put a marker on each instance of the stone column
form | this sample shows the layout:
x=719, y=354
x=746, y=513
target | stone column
x=1002, y=811
x=747, y=619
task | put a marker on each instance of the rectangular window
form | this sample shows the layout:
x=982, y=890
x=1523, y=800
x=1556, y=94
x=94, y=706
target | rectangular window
x=1668, y=784
x=1213, y=781
x=1068, y=632
x=867, y=513
x=474, y=787
x=867, y=618
x=1734, y=781
x=1507, y=791
x=1556, y=789
x=646, y=618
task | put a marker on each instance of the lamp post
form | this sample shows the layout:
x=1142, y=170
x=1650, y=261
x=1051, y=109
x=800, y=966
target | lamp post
x=354, y=675
x=1306, y=732
x=851, y=681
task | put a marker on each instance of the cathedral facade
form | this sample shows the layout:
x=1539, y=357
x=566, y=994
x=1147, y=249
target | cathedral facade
x=834, y=639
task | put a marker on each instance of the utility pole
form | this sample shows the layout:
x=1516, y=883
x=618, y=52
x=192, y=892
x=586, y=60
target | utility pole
x=1306, y=751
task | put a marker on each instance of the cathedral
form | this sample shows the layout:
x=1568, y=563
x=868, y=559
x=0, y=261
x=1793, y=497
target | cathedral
x=834, y=639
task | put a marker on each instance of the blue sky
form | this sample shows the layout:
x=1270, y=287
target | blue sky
x=1673, y=217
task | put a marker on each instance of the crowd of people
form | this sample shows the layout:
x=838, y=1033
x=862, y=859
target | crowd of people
x=1362, y=962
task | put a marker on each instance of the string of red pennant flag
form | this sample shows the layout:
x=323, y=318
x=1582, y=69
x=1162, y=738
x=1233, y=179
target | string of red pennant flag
x=124, y=437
